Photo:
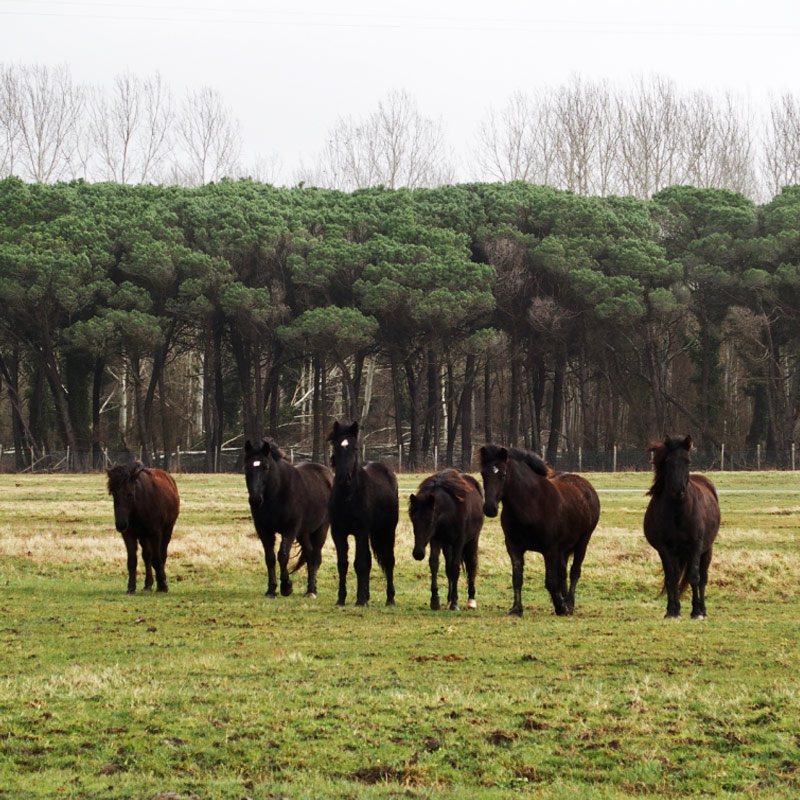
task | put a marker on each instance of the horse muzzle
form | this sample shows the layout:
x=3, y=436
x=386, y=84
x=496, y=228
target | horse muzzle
x=121, y=525
x=490, y=509
x=419, y=553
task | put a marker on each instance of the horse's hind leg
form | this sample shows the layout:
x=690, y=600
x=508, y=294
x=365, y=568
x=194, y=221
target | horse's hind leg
x=158, y=566
x=471, y=563
x=555, y=579
x=575, y=574
x=517, y=575
x=433, y=562
x=283, y=562
x=452, y=559
x=313, y=561
x=699, y=590
x=387, y=558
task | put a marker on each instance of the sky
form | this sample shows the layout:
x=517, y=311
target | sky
x=290, y=70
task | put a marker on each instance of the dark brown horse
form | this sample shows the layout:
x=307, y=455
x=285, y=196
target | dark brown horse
x=364, y=503
x=146, y=505
x=549, y=512
x=447, y=512
x=290, y=500
x=681, y=523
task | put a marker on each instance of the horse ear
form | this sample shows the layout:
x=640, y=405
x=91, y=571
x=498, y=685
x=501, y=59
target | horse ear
x=412, y=498
x=336, y=426
x=248, y=448
x=273, y=449
x=137, y=469
x=354, y=428
x=481, y=455
x=688, y=443
x=503, y=454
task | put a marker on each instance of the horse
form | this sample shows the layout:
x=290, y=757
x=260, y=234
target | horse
x=552, y=513
x=146, y=505
x=681, y=523
x=447, y=512
x=290, y=500
x=364, y=503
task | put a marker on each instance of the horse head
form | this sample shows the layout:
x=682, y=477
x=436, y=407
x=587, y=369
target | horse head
x=259, y=467
x=344, y=451
x=671, y=461
x=494, y=470
x=122, y=487
x=422, y=511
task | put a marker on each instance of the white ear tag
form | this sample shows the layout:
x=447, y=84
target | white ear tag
x=256, y=463
x=345, y=443
x=495, y=470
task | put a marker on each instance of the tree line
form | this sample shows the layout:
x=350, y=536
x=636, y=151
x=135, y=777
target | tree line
x=588, y=136
x=159, y=317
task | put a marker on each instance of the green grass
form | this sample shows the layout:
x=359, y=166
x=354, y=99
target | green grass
x=212, y=691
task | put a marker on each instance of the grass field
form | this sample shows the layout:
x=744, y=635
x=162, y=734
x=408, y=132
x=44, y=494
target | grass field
x=212, y=691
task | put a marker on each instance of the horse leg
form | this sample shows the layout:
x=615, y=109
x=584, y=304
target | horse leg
x=471, y=563
x=147, y=557
x=699, y=594
x=283, y=562
x=452, y=561
x=341, y=544
x=433, y=561
x=671, y=577
x=575, y=574
x=517, y=557
x=363, y=565
x=130, y=546
x=158, y=565
x=555, y=579
x=268, y=540
x=387, y=558
x=313, y=561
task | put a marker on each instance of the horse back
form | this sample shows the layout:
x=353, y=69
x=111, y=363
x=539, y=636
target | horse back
x=707, y=504
x=579, y=499
x=310, y=496
x=383, y=500
x=160, y=502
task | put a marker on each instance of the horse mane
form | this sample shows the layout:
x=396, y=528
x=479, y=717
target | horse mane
x=273, y=448
x=659, y=452
x=120, y=474
x=534, y=461
x=342, y=430
x=449, y=480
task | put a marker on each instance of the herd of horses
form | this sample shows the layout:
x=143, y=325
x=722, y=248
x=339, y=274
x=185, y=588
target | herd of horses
x=543, y=510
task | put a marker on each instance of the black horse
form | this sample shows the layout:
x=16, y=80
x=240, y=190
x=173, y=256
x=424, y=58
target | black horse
x=552, y=513
x=681, y=523
x=447, y=512
x=364, y=503
x=291, y=500
x=146, y=505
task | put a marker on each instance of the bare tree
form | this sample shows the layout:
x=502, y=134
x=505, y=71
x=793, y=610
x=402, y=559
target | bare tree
x=208, y=139
x=394, y=146
x=10, y=104
x=651, y=138
x=157, y=137
x=48, y=113
x=781, y=149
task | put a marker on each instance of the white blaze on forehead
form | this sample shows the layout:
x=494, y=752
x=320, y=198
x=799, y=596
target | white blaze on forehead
x=344, y=443
x=495, y=470
x=256, y=463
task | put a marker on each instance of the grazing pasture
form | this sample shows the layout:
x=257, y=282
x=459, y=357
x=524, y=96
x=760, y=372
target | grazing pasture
x=214, y=691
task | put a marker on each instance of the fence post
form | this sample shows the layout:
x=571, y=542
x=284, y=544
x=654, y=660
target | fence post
x=105, y=458
x=580, y=458
x=794, y=453
x=614, y=464
x=722, y=457
x=758, y=456
x=1, y=458
x=435, y=457
x=178, y=457
x=399, y=457
x=291, y=455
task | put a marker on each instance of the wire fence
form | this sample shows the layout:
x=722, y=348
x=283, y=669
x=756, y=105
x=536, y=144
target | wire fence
x=230, y=460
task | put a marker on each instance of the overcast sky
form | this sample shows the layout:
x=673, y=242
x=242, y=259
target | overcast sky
x=288, y=70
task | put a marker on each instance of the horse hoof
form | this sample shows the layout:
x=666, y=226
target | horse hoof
x=362, y=603
x=147, y=588
x=672, y=616
x=471, y=603
x=163, y=588
x=698, y=616
x=435, y=605
x=515, y=612
x=271, y=593
x=311, y=595
x=390, y=604
x=340, y=603
x=131, y=591
x=454, y=607
x=286, y=589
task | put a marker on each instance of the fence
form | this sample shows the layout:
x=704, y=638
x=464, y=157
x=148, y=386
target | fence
x=230, y=460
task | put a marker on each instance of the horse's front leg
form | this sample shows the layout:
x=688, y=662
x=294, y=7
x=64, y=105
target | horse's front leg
x=147, y=557
x=284, y=551
x=313, y=559
x=158, y=565
x=433, y=562
x=698, y=580
x=471, y=563
x=363, y=565
x=268, y=540
x=671, y=577
x=130, y=546
x=342, y=564
x=517, y=556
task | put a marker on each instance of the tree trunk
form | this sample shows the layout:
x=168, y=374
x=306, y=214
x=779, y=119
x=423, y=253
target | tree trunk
x=465, y=413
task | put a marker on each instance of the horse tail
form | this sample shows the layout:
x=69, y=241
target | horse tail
x=683, y=582
x=301, y=558
x=382, y=549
